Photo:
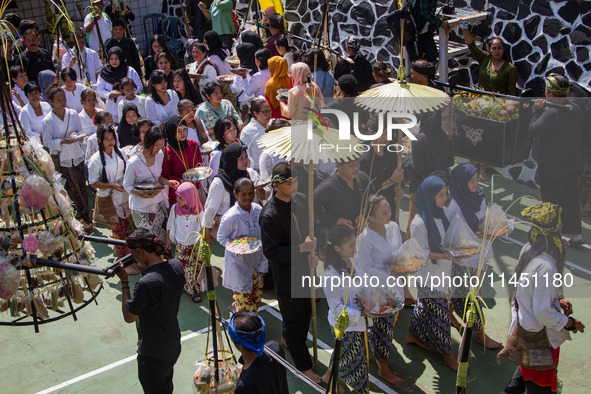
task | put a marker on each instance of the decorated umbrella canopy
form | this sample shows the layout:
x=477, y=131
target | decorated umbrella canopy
x=304, y=148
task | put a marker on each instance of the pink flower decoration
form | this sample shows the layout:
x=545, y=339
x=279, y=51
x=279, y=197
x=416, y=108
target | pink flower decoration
x=30, y=244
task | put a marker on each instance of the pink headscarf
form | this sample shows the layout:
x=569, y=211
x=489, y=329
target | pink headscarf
x=188, y=192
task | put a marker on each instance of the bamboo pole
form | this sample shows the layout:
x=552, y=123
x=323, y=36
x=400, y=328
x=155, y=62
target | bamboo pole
x=312, y=270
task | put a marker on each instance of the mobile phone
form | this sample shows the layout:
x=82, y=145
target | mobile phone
x=463, y=25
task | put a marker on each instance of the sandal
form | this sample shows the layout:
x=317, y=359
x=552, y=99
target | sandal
x=196, y=298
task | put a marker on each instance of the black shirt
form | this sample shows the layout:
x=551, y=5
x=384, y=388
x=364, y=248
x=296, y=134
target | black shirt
x=35, y=62
x=155, y=300
x=264, y=376
x=131, y=53
x=334, y=199
x=557, y=141
x=284, y=224
x=380, y=169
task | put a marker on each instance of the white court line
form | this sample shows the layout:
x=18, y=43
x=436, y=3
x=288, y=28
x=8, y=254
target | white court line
x=128, y=359
x=328, y=349
x=572, y=265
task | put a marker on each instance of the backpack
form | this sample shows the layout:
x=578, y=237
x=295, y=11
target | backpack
x=410, y=27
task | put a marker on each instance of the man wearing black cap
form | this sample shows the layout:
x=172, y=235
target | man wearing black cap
x=284, y=225
x=361, y=68
x=557, y=143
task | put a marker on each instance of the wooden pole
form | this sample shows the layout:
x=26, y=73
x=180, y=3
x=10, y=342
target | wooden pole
x=312, y=270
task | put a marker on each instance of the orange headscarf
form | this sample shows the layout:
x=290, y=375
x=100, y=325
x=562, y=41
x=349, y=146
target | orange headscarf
x=279, y=79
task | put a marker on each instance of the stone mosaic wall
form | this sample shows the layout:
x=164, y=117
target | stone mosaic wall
x=542, y=36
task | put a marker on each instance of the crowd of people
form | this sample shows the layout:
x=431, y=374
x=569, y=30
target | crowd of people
x=114, y=121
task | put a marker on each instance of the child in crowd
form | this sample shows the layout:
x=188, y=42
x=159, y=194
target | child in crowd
x=353, y=363
x=243, y=273
x=183, y=229
x=129, y=88
x=101, y=117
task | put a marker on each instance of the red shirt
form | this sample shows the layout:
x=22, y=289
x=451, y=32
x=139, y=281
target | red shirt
x=177, y=162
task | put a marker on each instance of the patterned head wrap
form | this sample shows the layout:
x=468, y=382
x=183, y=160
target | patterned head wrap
x=353, y=42
x=151, y=244
x=254, y=340
x=283, y=177
x=553, y=85
x=546, y=220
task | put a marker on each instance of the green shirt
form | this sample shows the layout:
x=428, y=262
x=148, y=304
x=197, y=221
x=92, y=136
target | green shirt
x=500, y=81
x=221, y=17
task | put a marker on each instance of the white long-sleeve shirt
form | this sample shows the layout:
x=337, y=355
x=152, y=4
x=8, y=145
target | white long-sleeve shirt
x=222, y=65
x=183, y=229
x=539, y=306
x=73, y=98
x=454, y=210
x=418, y=231
x=159, y=113
x=55, y=130
x=256, y=85
x=218, y=199
x=32, y=123
x=373, y=250
x=114, y=168
x=104, y=88
x=90, y=60
x=335, y=297
x=249, y=135
x=236, y=223
x=138, y=172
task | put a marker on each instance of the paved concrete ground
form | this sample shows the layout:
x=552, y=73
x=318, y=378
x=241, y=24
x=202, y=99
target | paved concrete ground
x=96, y=353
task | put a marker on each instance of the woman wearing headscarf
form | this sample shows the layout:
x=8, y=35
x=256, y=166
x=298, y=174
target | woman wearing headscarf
x=251, y=37
x=470, y=205
x=217, y=52
x=115, y=70
x=129, y=116
x=541, y=307
x=233, y=166
x=46, y=79
x=245, y=52
x=299, y=95
x=222, y=21
x=183, y=229
x=180, y=154
x=433, y=149
x=430, y=326
x=279, y=80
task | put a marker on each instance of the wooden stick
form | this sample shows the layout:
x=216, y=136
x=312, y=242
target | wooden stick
x=312, y=270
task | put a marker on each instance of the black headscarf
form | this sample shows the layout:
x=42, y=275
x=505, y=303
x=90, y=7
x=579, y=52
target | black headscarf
x=214, y=44
x=245, y=52
x=252, y=38
x=115, y=74
x=170, y=133
x=124, y=133
x=229, y=172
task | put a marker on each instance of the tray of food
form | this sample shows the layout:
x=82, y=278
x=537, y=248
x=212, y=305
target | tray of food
x=197, y=174
x=244, y=245
x=234, y=61
x=240, y=70
x=208, y=147
x=262, y=182
x=405, y=265
x=74, y=137
x=226, y=78
x=148, y=188
x=460, y=252
x=196, y=77
x=282, y=94
x=379, y=302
